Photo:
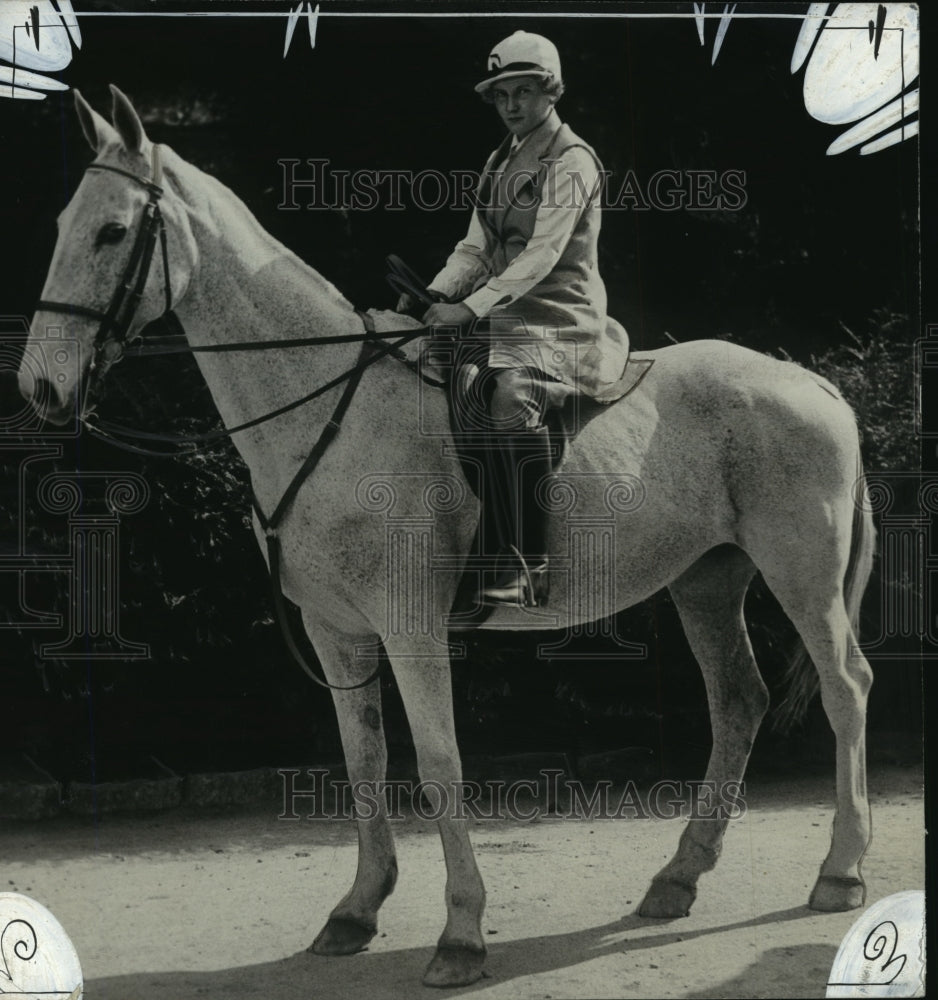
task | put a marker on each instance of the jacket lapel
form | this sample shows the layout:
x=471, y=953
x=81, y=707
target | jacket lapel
x=484, y=191
x=526, y=160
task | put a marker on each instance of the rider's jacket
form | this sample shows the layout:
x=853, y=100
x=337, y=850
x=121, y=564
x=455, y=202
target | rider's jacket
x=529, y=262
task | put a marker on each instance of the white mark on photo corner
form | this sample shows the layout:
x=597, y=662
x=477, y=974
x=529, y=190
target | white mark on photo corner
x=860, y=60
x=35, y=35
x=37, y=956
x=312, y=20
x=883, y=953
x=864, y=59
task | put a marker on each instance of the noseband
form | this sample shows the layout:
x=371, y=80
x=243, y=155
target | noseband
x=115, y=321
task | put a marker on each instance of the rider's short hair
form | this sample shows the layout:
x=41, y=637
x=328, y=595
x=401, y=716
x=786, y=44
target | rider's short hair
x=551, y=87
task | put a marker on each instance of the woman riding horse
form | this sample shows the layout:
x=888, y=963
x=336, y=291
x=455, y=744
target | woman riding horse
x=525, y=281
x=776, y=486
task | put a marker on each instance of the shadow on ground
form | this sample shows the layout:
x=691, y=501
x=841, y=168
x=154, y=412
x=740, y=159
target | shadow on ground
x=800, y=971
x=392, y=975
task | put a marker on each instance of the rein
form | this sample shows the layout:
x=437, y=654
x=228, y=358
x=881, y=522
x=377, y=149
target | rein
x=110, y=346
x=108, y=431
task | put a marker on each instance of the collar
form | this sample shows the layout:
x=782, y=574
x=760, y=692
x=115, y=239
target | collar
x=535, y=143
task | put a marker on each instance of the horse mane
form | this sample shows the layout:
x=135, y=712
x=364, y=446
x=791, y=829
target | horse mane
x=216, y=201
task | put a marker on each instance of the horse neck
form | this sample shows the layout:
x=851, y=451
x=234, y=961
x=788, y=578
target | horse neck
x=247, y=287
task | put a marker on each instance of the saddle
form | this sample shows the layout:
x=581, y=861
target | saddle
x=460, y=366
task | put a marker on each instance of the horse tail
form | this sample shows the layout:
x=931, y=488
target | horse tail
x=801, y=677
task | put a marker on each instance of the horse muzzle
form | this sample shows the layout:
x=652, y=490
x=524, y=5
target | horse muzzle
x=45, y=401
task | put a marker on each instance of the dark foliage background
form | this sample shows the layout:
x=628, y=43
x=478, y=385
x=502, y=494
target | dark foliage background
x=819, y=265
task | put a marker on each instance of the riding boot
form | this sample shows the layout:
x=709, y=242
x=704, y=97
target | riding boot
x=521, y=519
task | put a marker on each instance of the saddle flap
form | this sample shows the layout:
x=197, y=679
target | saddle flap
x=635, y=370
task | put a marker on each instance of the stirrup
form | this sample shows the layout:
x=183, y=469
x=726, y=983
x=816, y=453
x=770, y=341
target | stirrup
x=527, y=575
x=524, y=585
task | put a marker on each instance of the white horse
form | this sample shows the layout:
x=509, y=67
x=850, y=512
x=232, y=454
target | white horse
x=740, y=463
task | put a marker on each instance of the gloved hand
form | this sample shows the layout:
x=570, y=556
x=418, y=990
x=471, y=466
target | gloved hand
x=448, y=314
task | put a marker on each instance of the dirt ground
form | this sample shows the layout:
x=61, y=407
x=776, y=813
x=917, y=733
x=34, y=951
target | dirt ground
x=186, y=907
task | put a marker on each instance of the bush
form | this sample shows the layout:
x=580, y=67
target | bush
x=876, y=374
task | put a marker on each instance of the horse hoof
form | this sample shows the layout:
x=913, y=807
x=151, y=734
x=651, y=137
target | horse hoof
x=667, y=898
x=342, y=936
x=834, y=894
x=455, y=965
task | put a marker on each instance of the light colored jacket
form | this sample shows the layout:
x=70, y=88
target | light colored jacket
x=529, y=262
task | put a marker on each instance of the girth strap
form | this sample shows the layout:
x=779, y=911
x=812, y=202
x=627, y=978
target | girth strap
x=110, y=344
x=329, y=432
x=372, y=350
x=272, y=523
x=273, y=557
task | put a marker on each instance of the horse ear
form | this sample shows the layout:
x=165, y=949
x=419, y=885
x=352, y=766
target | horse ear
x=127, y=121
x=97, y=130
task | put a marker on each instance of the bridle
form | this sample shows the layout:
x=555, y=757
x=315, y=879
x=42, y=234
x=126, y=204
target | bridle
x=115, y=321
x=111, y=344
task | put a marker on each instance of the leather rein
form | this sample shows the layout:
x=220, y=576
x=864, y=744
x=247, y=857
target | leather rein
x=111, y=344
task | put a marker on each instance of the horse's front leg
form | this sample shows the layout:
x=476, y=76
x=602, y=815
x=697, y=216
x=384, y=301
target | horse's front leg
x=354, y=920
x=426, y=691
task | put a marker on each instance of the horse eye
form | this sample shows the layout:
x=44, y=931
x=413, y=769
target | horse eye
x=112, y=232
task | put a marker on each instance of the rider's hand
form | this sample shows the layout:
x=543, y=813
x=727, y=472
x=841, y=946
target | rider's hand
x=405, y=303
x=448, y=314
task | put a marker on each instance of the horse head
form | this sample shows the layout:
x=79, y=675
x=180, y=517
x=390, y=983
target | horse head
x=123, y=257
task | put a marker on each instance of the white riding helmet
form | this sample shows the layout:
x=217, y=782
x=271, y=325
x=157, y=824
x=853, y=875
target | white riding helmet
x=522, y=54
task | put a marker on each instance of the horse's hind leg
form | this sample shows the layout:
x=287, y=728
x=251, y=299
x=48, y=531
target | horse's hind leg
x=813, y=599
x=709, y=597
x=354, y=920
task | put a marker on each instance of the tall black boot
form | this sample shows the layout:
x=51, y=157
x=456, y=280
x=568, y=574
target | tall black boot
x=522, y=520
